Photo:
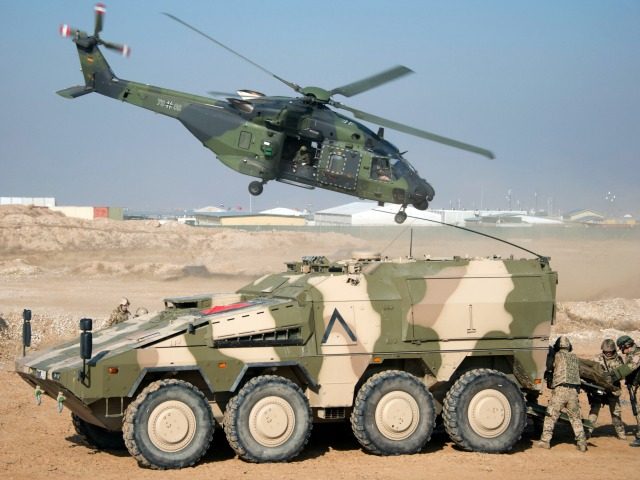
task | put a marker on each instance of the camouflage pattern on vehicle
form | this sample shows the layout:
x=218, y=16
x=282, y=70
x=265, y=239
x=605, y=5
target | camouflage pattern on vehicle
x=388, y=345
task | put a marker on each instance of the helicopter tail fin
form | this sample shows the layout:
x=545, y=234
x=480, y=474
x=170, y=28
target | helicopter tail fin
x=98, y=76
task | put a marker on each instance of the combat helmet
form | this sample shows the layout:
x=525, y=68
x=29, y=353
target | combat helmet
x=608, y=347
x=563, y=342
x=625, y=341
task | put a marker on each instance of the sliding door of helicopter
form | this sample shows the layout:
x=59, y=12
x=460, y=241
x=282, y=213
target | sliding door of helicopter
x=338, y=167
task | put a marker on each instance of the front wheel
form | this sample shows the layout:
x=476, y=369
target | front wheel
x=97, y=437
x=169, y=425
x=400, y=217
x=393, y=414
x=484, y=411
x=269, y=420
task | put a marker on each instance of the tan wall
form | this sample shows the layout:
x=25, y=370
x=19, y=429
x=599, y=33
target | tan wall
x=85, y=213
x=89, y=213
x=263, y=220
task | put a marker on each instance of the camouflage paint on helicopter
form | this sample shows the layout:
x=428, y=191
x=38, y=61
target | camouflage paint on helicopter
x=259, y=135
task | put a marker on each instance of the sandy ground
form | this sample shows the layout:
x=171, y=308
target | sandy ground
x=64, y=269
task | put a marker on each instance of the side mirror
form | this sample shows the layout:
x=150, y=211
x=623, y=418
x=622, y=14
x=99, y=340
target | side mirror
x=86, y=324
x=26, y=328
x=86, y=345
x=86, y=338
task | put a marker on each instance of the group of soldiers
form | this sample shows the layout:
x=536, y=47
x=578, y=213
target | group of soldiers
x=563, y=377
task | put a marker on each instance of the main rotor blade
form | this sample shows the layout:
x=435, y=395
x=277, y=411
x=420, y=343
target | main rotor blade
x=291, y=85
x=373, y=81
x=414, y=131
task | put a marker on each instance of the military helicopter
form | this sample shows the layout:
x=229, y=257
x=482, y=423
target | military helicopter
x=296, y=140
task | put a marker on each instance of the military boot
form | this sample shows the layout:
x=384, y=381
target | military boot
x=582, y=446
x=621, y=435
x=542, y=444
x=635, y=443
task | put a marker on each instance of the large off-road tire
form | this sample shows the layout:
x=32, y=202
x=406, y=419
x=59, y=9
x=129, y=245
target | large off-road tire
x=98, y=437
x=169, y=425
x=484, y=411
x=393, y=414
x=269, y=420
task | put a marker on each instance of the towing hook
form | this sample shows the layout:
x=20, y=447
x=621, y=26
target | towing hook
x=38, y=393
x=61, y=398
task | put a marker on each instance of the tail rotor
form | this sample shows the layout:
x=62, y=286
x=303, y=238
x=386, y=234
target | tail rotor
x=87, y=41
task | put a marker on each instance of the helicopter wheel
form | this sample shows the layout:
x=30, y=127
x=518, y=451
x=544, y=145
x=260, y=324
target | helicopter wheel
x=255, y=188
x=401, y=216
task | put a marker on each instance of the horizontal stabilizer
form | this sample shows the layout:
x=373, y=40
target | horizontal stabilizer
x=75, y=92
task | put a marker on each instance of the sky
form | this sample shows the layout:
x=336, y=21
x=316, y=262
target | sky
x=552, y=88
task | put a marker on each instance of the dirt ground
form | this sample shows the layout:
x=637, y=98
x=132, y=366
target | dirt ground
x=64, y=269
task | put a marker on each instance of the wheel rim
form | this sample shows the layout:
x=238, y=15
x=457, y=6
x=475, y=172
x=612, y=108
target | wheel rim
x=171, y=426
x=489, y=413
x=397, y=415
x=271, y=421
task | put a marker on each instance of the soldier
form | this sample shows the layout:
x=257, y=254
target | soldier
x=302, y=157
x=609, y=360
x=566, y=385
x=120, y=313
x=630, y=371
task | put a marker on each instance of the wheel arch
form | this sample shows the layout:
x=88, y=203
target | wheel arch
x=191, y=373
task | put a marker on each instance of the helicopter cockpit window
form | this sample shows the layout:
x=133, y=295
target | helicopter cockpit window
x=400, y=168
x=380, y=169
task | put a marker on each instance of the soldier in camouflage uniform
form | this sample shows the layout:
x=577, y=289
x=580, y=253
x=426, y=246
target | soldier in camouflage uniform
x=120, y=313
x=609, y=360
x=566, y=385
x=630, y=371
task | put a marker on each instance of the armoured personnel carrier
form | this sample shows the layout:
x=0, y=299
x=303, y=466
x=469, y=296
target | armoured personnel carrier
x=385, y=344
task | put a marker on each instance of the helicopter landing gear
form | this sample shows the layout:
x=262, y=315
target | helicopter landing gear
x=255, y=188
x=401, y=216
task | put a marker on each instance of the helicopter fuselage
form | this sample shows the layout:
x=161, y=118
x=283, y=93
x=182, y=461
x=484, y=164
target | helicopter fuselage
x=260, y=138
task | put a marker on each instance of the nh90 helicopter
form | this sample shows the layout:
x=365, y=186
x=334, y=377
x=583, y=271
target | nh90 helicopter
x=295, y=140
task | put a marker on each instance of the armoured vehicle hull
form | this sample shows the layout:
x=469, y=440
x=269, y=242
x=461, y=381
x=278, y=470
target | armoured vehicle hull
x=386, y=345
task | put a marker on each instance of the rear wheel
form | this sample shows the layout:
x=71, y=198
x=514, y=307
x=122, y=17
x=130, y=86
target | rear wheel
x=484, y=411
x=269, y=420
x=97, y=437
x=169, y=425
x=393, y=414
x=255, y=188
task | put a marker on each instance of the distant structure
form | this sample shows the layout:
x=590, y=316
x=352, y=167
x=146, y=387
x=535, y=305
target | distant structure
x=83, y=212
x=583, y=216
x=35, y=201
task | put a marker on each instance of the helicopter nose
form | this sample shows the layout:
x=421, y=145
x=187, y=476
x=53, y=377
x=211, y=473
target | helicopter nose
x=424, y=190
x=422, y=195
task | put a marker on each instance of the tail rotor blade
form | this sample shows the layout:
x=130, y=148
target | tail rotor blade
x=67, y=31
x=124, y=50
x=100, y=10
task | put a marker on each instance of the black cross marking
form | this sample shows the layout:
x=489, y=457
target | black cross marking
x=336, y=316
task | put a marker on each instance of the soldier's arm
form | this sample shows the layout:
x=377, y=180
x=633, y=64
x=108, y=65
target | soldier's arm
x=631, y=365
